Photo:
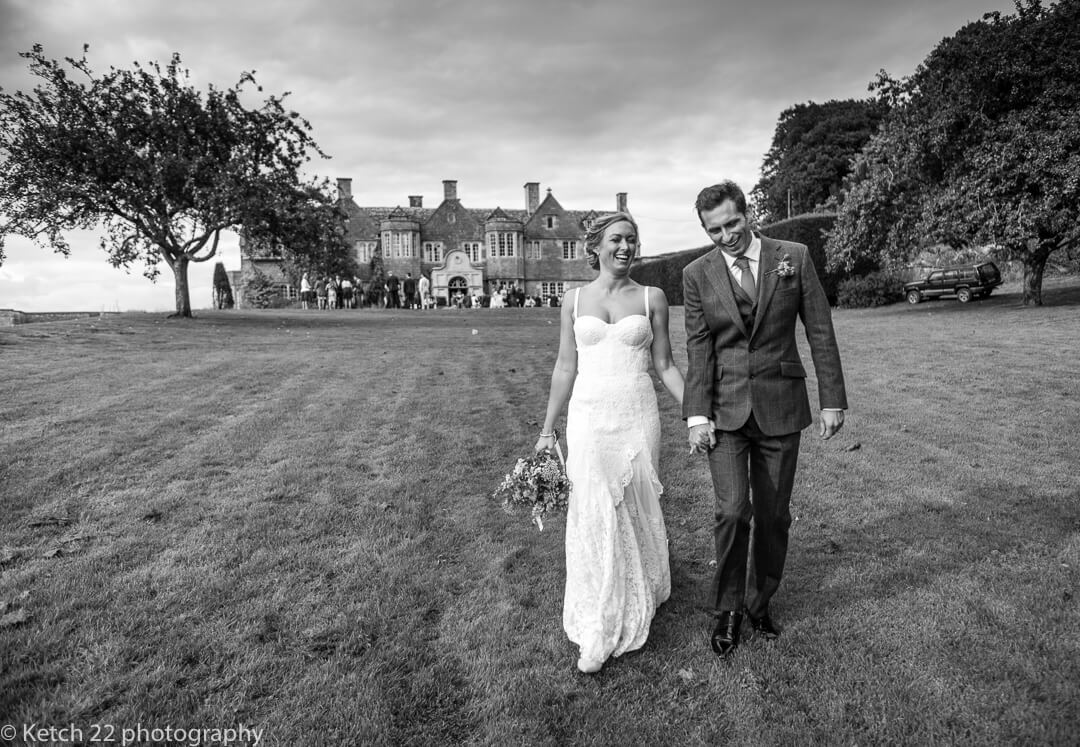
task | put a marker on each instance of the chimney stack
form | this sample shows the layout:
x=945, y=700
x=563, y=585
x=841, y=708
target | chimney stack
x=620, y=202
x=449, y=189
x=416, y=201
x=344, y=188
x=532, y=197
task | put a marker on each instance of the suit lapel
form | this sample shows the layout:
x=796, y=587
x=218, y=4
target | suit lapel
x=767, y=278
x=717, y=272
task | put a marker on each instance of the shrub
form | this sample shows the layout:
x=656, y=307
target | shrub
x=875, y=289
x=665, y=271
x=223, y=295
x=811, y=229
x=259, y=292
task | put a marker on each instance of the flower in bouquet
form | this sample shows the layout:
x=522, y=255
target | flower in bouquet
x=537, y=482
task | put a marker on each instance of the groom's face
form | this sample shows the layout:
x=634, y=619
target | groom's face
x=727, y=228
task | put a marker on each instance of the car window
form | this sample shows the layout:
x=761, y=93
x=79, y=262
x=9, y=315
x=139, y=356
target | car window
x=935, y=277
x=951, y=274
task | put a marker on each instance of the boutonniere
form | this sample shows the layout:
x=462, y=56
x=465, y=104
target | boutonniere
x=784, y=268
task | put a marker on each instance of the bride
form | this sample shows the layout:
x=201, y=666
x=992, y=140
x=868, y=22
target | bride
x=617, y=570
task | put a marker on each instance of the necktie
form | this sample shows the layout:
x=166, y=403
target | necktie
x=746, y=277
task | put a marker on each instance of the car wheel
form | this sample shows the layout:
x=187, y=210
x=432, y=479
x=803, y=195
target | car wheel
x=913, y=296
x=963, y=295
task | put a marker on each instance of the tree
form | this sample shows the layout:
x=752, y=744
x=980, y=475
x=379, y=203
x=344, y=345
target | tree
x=376, y=279
x=163, y=168
x=982, y=146
x=223, y=295
x=306, y=228
x=259, y=291
x=811, y=153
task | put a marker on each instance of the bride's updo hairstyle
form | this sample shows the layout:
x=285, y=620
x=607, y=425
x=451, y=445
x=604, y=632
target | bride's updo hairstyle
x=595, y=234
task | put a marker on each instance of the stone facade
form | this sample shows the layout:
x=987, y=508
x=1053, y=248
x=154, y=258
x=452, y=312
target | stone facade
x=539, y=248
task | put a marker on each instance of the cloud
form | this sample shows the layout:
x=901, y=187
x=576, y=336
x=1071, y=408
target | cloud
x=656, y=98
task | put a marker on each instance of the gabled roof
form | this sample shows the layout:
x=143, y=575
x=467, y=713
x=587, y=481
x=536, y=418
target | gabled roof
x=364, y=222
x=498, y=214
x=568, y=224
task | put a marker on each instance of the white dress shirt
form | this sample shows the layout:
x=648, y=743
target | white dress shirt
x=752, y=253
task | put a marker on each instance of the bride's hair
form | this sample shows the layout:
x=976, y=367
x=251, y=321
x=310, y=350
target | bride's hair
x=595, y=234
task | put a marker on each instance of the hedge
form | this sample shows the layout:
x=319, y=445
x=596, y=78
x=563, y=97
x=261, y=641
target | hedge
x=665, y=271
x=868, y=291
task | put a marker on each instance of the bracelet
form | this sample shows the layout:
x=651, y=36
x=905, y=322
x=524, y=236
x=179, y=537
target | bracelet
x=554, y=434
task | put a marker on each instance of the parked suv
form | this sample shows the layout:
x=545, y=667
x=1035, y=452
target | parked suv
x=964, y=281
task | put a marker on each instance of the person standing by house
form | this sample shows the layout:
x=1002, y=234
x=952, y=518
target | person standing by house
x=409, y=287
x=346, y=292
x=305, y=291
x=393, y=292
x=331, y=293
x=425, y=291
x=320, y=292
x=359, y=296
x=745, y=403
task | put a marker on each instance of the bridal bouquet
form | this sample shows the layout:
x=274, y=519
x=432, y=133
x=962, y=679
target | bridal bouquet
x=539, y=482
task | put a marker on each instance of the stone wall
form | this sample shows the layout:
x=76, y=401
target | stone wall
x=11, y=317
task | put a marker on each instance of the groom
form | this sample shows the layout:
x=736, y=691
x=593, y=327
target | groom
x=746, y=401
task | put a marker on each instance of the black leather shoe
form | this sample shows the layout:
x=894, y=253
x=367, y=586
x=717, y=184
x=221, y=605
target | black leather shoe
x=725, y=636
x=764, y=626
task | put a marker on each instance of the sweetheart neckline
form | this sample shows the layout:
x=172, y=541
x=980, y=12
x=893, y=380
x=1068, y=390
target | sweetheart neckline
x=604, y=321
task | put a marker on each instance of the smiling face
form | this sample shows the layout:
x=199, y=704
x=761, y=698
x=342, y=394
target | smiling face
x=727, y=227
x=619, y=246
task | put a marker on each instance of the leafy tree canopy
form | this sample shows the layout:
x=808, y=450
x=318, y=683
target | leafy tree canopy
x=306, y=228
x=162, y=167
x=811, y=153
x=981, y=146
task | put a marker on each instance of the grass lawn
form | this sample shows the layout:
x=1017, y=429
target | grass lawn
x=282, y=520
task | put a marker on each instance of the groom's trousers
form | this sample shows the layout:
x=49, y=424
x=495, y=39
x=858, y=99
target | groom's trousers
x=752, y=476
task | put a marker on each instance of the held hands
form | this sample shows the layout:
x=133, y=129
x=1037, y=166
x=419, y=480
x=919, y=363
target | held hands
x=831, y=422
x=702, y=439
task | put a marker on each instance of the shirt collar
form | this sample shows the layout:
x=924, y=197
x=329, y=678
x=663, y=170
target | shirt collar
x=752, y=253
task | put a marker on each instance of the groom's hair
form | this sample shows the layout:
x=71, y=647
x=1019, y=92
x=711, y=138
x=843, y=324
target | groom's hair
x=710, y=197
x=595, y=234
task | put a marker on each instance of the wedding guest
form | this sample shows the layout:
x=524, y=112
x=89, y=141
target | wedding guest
x=425, y=291
x=305, y=291
x=331, y=293
x=359, y=299
x=393, y=292
x=346, y=293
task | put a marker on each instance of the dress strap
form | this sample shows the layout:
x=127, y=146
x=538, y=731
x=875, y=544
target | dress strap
x=646, y=302
x=577, y=295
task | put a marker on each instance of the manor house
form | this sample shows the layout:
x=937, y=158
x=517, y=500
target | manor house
x=540, y=248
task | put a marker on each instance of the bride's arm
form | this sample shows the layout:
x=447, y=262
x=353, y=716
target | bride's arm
x=562, y=377
x=662, y=361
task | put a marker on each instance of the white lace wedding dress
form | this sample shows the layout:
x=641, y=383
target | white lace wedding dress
x=617, y=570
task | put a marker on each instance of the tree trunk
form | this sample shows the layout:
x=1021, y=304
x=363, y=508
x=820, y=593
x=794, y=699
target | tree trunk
x=1034, y=266
x=183, y=297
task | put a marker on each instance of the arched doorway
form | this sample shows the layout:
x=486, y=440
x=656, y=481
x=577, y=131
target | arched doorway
x=456, y=285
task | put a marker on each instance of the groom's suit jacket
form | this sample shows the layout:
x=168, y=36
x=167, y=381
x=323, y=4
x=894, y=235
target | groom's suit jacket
x=737, y=365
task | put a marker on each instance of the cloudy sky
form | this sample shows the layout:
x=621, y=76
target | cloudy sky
x=655, y=98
